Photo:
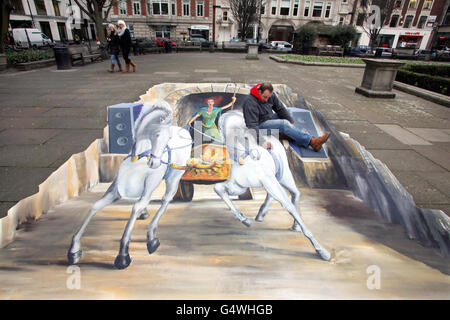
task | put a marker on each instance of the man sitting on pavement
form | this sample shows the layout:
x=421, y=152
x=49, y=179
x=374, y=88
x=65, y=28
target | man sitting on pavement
x=258, y=114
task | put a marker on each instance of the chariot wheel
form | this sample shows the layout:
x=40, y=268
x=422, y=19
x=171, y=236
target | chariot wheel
x=185, y=191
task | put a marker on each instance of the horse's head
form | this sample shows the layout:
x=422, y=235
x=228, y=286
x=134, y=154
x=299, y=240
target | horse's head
x=153, y=130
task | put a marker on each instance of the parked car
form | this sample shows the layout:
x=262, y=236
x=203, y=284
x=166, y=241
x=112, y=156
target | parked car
x=204, y=43
x=282, y=45
x=24, y=37
x=425, y=54
x=354, y=51
x=383, y=52
x=161, y=40
x=264, y=46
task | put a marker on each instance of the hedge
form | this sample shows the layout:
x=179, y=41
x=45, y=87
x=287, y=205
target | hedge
x=430, y=69
x=15, y=57
x=424, y=81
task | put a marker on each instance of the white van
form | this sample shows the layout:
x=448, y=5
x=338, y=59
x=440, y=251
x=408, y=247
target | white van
x=35, y=37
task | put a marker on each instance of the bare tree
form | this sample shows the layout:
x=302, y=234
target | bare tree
x=5, y=9
x=245, y=13
x=376, y=14
x=94, y=9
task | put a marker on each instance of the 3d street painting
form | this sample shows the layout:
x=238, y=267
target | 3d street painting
x=161, y=209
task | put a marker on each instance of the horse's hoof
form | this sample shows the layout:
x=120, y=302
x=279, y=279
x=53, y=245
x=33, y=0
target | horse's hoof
x=143, y=216
x=247, y=222
x=122, y=262
x=259, y=219
x=296, y=227
x=324, y=254
x=74, y=257
x=153, y=245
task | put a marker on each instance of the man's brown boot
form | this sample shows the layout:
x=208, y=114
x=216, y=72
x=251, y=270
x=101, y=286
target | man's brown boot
x=133, y=65
x=112, y=68
x=316, y=143
x=127, y=68
x=120, y=68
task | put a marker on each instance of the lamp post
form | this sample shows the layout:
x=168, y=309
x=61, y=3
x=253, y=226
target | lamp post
x=258, y=36
x=214, y=21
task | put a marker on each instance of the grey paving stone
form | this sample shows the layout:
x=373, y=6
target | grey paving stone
x=406, y=160
x=31, y=156
x=80, y=123
x=29, y=111
x=435, y=154
x=5, y=206
x=440, y=180
x=76, y=137
x=26, y=136
x=434, y=135
x=402, y=135
x=21, y=123
x=12, y=186
x=68, y=112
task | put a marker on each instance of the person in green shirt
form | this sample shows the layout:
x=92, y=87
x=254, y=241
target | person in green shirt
x=209, y=115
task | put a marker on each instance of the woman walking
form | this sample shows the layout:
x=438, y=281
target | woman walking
x=114, y=47
x=125, y=45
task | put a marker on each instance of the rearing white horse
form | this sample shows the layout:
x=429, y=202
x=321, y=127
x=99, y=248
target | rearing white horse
x=259, y=167
x=157, y=143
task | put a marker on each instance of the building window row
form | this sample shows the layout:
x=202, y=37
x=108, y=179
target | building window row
x=161, y=7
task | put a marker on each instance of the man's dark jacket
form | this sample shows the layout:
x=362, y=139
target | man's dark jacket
x=256, y=112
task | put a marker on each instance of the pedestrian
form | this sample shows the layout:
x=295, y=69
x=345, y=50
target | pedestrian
x=114, y=47
x=125, y=45
x=258, y=114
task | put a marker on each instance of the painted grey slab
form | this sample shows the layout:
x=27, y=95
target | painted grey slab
x=403, y=135
x=166, y=72
x=205, y=70
x=304, y=122
x=218, y=79
x=433, y=135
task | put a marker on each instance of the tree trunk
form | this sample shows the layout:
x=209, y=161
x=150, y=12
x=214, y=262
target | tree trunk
x=5, y=9
x=100, y=29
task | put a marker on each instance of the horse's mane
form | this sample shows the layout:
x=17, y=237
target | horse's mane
x=148, y=110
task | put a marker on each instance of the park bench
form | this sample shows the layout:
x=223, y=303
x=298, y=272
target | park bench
x=82, y=52
x=330, y=51
x=188, y=46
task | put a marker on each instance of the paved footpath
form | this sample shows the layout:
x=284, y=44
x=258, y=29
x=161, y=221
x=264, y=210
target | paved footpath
x=46, y=115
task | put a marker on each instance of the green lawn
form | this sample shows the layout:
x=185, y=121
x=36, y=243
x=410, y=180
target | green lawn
x=323, y=59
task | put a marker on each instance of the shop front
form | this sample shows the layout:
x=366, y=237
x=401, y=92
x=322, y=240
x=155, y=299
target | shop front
x=409, y=40
x=201, y=30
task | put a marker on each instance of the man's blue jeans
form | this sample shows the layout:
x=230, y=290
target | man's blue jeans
x=284, y=126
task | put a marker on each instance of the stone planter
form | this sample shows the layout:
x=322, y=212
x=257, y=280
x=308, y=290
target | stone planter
x=3, y=62
x=378, y=79
x=252, y=53
x=35, y=64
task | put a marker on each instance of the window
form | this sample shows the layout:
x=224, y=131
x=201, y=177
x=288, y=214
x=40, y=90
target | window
x=328, y=10
x=295, y=12
x=408, y=21
x=174, y=7
x=307, y=4
x=160, y=7
x=422, y=21
x=360, y=19
x=412, y=4
x=341, y=20
x=122, y=7
x=18, y=7
x=317, y=9
x=186, y=7
x=394, y=21
x=344, y=1
x=56, y=8
x=40, y=7
x=225, y=16
x=285, y=6
x=136, y=7
x=274, y=7
x=162, y=32
x=263, y=7
x=199, y=8
x=427, y=4
x=131, y=28
x=398, y=4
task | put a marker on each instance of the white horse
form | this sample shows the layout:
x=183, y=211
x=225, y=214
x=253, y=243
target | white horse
x=157, y=143
x=259, y=167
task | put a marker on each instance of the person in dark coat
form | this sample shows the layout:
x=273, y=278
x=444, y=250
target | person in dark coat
x=125, y=45
x=114, y=47
x=258, y=114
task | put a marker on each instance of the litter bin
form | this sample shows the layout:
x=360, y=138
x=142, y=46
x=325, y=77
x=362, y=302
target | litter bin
x=62, y=57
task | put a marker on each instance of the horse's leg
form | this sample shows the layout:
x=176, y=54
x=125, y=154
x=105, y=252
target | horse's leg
x=264, y=208
x=276, y=191
x=111, y=195
x=223, y=190
x=172, y=182
x=289, y=183
x=143, y=214
x=123, y=259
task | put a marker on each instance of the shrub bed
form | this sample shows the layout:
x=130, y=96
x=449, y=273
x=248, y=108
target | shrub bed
x=324, y=59
x=15, y=57
x=424, y=81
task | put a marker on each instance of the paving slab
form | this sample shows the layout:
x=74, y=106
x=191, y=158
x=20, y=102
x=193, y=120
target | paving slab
x=26, y=136
x=402, y=135
x=435, y=154
x=433, y=135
